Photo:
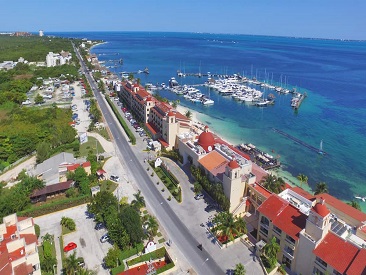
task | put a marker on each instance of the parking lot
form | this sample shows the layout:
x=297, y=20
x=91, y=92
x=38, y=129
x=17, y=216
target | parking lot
x=86, y=237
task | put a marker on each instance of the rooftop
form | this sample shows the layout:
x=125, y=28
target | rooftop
x=294, y=198
x=329, y=251
x=358, y=265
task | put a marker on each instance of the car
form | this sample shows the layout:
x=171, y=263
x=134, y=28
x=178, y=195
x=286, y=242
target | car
x=116, y=99
x=198, y=196
x=124, y=109
x=114, y=178
x=104, y=238
x=209, y=208
x=70, y=246
x=99, y=226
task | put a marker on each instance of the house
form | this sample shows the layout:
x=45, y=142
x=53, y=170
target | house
x=50, y=191
x=18, y=246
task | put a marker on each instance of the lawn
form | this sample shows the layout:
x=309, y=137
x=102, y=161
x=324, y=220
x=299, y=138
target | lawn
x=41, y=254
x=93, y=145
x=107, y=185
x=65, y=230
x=157, y=254
x=103, y=132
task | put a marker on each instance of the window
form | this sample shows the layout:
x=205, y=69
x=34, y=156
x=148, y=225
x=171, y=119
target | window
x=289, y=250
x=321, y=262
x=264, y=230
x=264, y=220
x=290, y=240
x=277, y=230
x=286, y=261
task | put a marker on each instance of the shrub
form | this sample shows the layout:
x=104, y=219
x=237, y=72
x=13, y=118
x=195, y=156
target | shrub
x=37, y=229
x=169, y=198
x=162, y=190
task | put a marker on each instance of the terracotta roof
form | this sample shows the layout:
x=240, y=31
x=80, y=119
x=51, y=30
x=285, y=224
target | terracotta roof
x=151, y=128
x=180, y=117
x=283, y=215
x=171, y=113
x=101, y=172
x=331, y=201
x=233, y=164
x=302, y=193
x=321, y=209
x=329, y=251
x=163, y=142
x=260, y=189
x=206, y=139
x=23, y=269
x=73, y=167
x=358, y=265
x=29, y=238
x=49, y=189
x=212, y=161
x=86, y=164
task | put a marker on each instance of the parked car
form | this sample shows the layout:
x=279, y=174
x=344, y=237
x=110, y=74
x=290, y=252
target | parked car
x=124, y=110
x=209, y=208
x=116, y=99
x=70, y=246
x=99, y=226
x=114, y=178
x=104, y=238
x=198, y=196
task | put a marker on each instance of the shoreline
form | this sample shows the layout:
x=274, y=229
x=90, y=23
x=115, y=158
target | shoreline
x=98, y=44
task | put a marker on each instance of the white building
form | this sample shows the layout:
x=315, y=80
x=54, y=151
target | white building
x=56, y=59
x=41, y=33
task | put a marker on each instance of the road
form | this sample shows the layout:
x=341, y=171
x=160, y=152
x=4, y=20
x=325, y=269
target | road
x=201, y=261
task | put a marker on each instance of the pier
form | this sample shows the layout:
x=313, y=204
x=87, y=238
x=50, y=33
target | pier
x=298, y=141
x=263, y=159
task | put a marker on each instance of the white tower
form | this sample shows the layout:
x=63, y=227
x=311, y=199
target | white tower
x=41, y=33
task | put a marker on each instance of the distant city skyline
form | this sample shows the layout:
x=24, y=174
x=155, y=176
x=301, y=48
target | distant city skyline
x=331, y=19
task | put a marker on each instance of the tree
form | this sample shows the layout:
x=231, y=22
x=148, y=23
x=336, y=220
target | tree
x=152, y=225
x=81, y=180
x=273, y=184
x=270, y=250
x=239, y=269
x=38, y=99
x=111, y=260
x=321, y=188
x=48, y=238
x=68, y=223
x=139, y=200
x=188, y=114
x=116, y=231
x=228, y=225
x=83, y=271
x=101, y=205
x=132, y=223
x=354, y=204
x=71, y=264
x=43, y=151
x=175, y=104
x=303, y=179
x=197, y=188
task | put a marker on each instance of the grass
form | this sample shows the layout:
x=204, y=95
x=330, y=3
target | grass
x=63, y=257
x=157, y=254
x=161, y=240
x=124, y=255
x=65, y=230
x=145, y=212
x=103, y=132
x=159, y=234
x=41, y=255
x=91, y=145
x=107, y=185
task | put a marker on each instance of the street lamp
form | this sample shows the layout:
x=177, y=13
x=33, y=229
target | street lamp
x=205, y=261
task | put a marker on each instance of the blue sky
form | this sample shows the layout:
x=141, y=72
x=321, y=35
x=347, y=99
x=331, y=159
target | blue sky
x=306, y=18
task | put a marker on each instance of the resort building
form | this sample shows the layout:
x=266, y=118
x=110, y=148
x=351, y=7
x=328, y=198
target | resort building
x=162, y=121
x=317, y=234
x=222, y=163
x=18, y=246
x=58, y=59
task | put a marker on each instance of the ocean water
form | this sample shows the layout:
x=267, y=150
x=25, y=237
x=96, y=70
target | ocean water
x=332, y=72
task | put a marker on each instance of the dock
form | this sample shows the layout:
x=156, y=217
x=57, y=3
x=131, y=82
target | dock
x=298, y=141
x=259, y=157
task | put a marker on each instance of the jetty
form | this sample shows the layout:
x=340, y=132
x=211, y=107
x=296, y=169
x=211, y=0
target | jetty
x=298, y=141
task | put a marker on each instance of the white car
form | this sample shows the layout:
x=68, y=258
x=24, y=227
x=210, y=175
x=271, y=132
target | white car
x=114, y=178
x=27, y=102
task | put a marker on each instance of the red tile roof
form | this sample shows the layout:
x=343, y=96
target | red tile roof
x=283, y=215
x=336, y=252
x=23, y=269
x=358, y=265
x=343, y=207
x=29, y=238
x=151, y=128
x=321, y=209
x=260, y=189
x=212, y=161
x=163, y=142
x=302, y=193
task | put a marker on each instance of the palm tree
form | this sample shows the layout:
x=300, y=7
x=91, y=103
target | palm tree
x=239, y=269
x=83, y=271
x=71, y=264
x=354, y=204
x=152, y=225
x=241, y=225
x=321, y=188
x=228, y=225
x=273, y=184
x=303, y=179
x=48, y=237
x=188, y=114
x=270, y=250
x=139, y=200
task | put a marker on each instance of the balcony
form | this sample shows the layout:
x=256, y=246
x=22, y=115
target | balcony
x=289, y=253
x=290, y=242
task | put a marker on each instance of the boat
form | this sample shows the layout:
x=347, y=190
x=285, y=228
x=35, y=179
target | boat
x=321, y=152
x=207, y=101
x=173, y=82
x=361, y=198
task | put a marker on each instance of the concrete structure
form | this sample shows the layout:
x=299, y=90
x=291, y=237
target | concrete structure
x=222, y=164
x=313, y=238
x=18, y=246
x=162, y=121
x=57, y=59
x=41, y=33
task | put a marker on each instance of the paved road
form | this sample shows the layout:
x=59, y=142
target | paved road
x=187, y=244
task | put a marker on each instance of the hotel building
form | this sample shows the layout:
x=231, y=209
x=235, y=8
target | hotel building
x=18, y=246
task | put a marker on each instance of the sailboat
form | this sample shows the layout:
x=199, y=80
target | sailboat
x=321, y=152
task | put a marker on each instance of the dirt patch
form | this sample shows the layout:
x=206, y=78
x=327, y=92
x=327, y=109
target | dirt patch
x=23, y=76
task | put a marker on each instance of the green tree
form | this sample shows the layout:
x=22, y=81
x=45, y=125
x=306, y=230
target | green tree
x=71, y=264
x=228, y=225
x=139, y=201
x=112, y=260
x=48, y=238
x=197, y=188
x=43, y=151
x=188, y=114
x=83, y=271
x=354, y=204
x=38, y=99
x=239, y=269
x=68, y=223
x=303, y=179
x=81, y=180
x=131, y=221
x=116, y=231
x=102, y=204
x=321, y=188
x=152, y=225
x=270, y=250
x=273, y=184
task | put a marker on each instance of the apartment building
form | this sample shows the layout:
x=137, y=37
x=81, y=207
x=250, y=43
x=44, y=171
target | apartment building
x=162, y=121
x=18, y=247
x=58, y=59
x=315, y=236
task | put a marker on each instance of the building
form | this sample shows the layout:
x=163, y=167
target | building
x=50, y=191
x=18, y=246
x=58, y=59
x=162, y=121
x=316, y=236
x=41, y=33
x=222, y=163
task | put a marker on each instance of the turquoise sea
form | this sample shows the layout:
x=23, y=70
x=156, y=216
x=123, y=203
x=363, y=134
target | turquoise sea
x=332, y=72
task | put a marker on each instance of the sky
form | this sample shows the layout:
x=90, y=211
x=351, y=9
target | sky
x=335, y=19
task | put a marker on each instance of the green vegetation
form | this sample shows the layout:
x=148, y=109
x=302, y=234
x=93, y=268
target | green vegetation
x=157, y=254
x=68, y=225
x=269, y=254
x=130, y=135
x=169, y=181
x=354, y=204
x=139, y=201
x=37, y=229
x=239, y=269
x=103, y=132
x=161, y=240
x=215, y=190
x=321, y=188
x=165, y=268
x=127, y=253
x=228, y=227
x=273, y=183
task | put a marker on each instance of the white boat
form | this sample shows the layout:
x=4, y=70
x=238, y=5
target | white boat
x=361, y=198
x=173, y=82
x=207, y=101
